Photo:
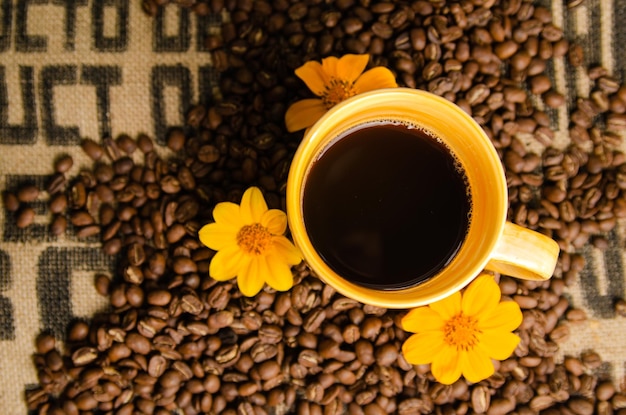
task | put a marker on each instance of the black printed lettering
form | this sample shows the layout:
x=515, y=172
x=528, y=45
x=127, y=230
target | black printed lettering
x=52, y=76
x=177, y=76
x=5, y=34
x=602, y=304
x=119, y=42
x=54, y=283
x=7, y=322
x=26, y=132
x=178, y=42
x=103, y=77
x=70, y=19
x=23, y=41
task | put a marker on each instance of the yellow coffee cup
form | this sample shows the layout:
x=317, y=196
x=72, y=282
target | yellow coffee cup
x=490, y=241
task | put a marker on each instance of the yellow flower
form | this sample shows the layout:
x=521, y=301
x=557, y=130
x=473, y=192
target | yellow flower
x=250, y=244
x=334, y=80
x=460, y=334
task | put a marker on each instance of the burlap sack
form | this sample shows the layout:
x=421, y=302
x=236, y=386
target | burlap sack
x=72, y=70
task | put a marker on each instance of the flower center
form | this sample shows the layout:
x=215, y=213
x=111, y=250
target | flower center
x=461, y=332
x=336, y=91
x=254, y=239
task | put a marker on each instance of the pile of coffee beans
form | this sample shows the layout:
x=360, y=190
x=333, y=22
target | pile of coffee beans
x=177, y=342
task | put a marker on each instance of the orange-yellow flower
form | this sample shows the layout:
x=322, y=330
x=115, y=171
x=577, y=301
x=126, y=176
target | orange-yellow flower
x=334, y=80
x=250, y=244
x=460, y=334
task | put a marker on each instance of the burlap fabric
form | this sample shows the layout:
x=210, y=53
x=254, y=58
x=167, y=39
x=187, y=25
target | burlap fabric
x=72, y=70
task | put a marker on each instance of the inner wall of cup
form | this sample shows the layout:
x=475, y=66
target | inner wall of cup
x=476, y=155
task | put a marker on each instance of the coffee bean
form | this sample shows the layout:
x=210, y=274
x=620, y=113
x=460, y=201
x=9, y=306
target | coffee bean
x=553, y=99
x=102, y=283
x=386, y=354
x=86, y=401
x=25, y=217
x=92, y=149
x=58, y=225
x=138, y=343
x=580, y=406
x=314, y=319
x=11, y=202
x=480, y=398
x=373, y=409
x=159, y=297
x=175, y=139
x=28, y=193
x=81, y=218
x=63, y=164
x=500, y=406
x=45, y=343
x=576, y=315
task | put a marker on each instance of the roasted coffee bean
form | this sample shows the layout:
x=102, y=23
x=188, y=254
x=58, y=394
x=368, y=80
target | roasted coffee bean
x=58, y=225
x=63, y=164
x=78, y=195
x=11, y=202
x=45, y=343
x=58, y=203
x=125, y=143
x=92, y=149
x=208, y=154
x=28, y=193
x=138, y=343
x=78, y=331
x=159, y=297
x=620, y=307
x=81, y=218
x=145, y=143
x=102, y=283
x=314, y=319
x=25, y=217
x=175, y=139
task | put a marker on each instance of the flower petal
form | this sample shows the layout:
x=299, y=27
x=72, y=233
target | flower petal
x=218, y=235
x=422, y=319
x=375, y=78
x=275, y=221
x=476, y=365
x=314, y=76
x=250, y=279
x=329, y=65
x=303, y=114
x=350, y=67
x=445, y=367
x=481, y=297
x=227, y=263
x=497, y=344
x=252, y=206
x=287, y=251
x=279, y=275
x=507, y=316
x=422, y=348
x=227, y=213
x=448, y=307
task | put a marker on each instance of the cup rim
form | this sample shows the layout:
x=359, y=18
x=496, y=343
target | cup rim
x=315, y=139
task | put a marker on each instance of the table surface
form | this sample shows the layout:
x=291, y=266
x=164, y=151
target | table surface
x=63, y=84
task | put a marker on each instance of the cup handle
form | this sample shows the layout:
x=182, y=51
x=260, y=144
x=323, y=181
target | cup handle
x=523, y=253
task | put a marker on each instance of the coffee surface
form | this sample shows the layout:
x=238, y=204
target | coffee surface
x=386, y=206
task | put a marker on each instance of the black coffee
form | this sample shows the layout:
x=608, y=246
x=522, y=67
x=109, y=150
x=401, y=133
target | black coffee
x=386, y=206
